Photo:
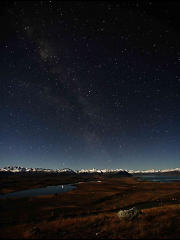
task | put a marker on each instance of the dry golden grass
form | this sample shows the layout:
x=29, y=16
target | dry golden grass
x=90, y=211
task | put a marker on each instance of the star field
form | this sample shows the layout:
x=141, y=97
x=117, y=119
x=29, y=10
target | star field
x=90, y=84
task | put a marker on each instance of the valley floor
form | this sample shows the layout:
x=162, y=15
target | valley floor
x=90, y=211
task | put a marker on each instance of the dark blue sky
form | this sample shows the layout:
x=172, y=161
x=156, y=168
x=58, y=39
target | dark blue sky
x=90, y=84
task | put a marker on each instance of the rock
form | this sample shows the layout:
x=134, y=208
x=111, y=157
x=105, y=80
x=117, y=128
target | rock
x=35, y=230
x=129, y=214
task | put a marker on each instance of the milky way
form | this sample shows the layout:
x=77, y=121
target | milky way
x=90, y=84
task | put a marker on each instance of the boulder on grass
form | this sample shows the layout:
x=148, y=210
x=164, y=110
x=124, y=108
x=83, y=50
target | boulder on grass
x=129, y=214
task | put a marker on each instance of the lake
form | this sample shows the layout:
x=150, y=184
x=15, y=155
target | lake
x=158, y=178
x=39, y=191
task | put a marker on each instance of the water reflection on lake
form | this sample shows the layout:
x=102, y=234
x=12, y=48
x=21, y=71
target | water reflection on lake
x=39, y=191
x=157, y=178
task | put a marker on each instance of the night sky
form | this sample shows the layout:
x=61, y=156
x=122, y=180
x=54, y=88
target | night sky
x=90, y=84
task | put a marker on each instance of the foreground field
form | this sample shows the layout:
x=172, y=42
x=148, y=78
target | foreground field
x=90, y=211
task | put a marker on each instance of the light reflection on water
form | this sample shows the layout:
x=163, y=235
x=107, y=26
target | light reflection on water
x=39, y=191
x=42, y=191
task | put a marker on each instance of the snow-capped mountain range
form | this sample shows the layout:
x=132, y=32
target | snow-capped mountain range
x=17, y=169
x=153, y=171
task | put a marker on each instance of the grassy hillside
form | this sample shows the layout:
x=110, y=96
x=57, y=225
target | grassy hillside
x=90, y=211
